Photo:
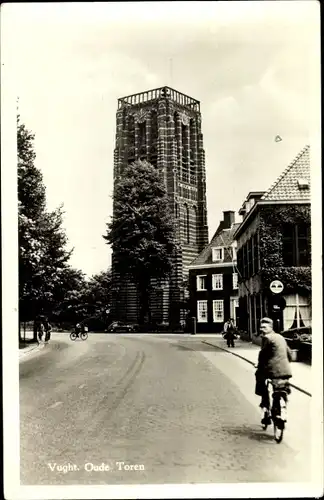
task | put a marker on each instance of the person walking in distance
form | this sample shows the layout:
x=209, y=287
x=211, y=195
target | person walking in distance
x=273, y=363
x=48, y=329
x=229, y=330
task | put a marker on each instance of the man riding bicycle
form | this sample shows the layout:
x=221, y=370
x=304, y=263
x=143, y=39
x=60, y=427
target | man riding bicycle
x=273, y=363
x=78, y=329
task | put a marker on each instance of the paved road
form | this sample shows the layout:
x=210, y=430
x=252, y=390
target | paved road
x=152, y=409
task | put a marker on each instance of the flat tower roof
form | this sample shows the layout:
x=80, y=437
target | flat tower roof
x=161, y=92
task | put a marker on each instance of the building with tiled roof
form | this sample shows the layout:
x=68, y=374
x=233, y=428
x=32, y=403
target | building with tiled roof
x=223, y=238
x=294, y=182
x=274, y=244
x=213, y=287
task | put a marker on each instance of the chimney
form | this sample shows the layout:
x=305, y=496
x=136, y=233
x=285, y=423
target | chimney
x=229, y=219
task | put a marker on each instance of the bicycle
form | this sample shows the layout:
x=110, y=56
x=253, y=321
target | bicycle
x=81, y=335
x=278, y=393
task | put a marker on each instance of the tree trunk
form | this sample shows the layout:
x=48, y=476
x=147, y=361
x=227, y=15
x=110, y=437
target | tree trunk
x=35, y=330
x=143, y=292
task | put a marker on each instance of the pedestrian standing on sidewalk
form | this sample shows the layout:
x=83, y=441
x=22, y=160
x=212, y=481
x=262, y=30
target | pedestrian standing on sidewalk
x=273, y=363
x=41, y=331
x=229, y=330
x=48, y=329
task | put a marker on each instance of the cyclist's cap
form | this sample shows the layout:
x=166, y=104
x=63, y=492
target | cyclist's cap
x=267, y=321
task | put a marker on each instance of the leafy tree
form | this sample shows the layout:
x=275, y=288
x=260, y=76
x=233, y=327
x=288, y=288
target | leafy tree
x=31, y=189
x=69, y=297
x=47, y=283
x=43, y=255
x=141, y=232
x=99, y=291
x=31, y=206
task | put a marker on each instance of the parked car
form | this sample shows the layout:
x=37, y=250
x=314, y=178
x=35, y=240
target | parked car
x=300, y=340
x=303, y=334
x=119, y=326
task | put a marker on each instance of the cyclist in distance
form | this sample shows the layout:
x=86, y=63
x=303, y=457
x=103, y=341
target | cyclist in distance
x=78, y=329
x=273, y=363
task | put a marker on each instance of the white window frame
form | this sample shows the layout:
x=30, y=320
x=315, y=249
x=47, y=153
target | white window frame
x=294, y=304
x=235, y=281
x=198, y=282
x=201, y=318
x=214, y=254
x=215, y=278
x=216, y=318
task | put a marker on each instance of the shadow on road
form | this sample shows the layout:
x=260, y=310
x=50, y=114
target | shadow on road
x=251, y=433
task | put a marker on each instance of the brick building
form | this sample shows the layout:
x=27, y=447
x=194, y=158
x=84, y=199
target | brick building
x=213, y=280
x=163, y=126
x=274, y=243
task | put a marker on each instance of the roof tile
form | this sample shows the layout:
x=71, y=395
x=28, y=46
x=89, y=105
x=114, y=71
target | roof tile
x=286, y=186
x=222, y=239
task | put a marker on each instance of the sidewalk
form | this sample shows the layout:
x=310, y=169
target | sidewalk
x=25, y=350
x=301, y=379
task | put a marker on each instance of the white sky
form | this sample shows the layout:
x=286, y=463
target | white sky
x=249, y=63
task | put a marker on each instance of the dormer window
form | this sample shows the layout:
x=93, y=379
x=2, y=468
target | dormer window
x=218, y=254
x=303, y=183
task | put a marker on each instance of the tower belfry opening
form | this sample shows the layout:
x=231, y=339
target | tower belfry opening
x=163, y=126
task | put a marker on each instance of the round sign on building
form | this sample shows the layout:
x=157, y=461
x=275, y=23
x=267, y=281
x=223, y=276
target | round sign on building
x=276, y=286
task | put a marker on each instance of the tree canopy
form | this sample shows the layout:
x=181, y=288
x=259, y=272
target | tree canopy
x=43, y=253
x=48, y=284
x=141, y=231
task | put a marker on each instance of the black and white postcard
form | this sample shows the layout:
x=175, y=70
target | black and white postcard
x=161, y=250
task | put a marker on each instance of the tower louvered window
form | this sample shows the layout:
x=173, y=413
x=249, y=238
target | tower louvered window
x=192, y=165
x=185, y=153
x=142, y=140
x=154, y=138
x=131, y=139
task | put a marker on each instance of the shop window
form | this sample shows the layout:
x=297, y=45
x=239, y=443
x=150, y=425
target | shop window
x=297, y=312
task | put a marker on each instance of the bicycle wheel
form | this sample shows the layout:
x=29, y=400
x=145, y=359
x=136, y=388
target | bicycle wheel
x=278, y=430
x=73, y=336
x=84, y=336
x=278, y=423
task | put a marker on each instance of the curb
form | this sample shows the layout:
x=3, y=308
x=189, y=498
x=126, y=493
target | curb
x=251, y=363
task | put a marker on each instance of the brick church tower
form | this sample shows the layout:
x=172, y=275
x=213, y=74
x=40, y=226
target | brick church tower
x=163, y=126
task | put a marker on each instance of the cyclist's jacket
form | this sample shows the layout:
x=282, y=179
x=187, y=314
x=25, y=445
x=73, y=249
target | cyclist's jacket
x=274, y=357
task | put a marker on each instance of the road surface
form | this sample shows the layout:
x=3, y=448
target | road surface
x=138, y=409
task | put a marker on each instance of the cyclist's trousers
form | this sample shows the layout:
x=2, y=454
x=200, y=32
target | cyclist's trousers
x=280, y=386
